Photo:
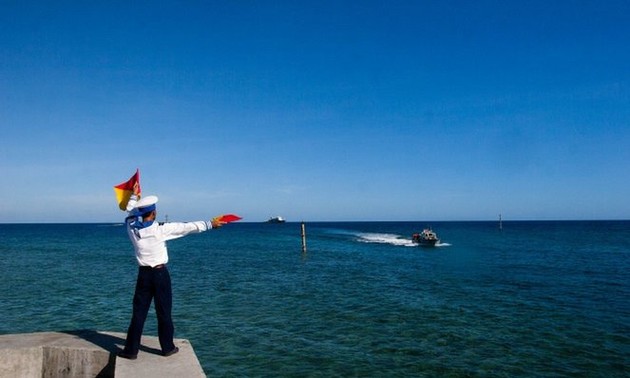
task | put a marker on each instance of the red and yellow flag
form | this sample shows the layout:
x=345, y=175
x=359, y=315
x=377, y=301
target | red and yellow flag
x=125, y=190
x=227, y=218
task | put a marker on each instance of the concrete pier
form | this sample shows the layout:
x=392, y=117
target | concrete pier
x=88, y=353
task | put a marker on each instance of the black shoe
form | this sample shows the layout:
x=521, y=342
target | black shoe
x=172, y=352
x=126, y=355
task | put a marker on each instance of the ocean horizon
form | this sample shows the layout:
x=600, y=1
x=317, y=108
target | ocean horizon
x=535, y=298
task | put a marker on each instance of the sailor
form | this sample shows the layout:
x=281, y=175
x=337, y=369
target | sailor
x=154, y=282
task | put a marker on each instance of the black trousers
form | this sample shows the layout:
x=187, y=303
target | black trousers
x=155, y=284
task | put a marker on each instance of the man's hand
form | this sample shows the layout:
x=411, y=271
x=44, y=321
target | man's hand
x=216, y=223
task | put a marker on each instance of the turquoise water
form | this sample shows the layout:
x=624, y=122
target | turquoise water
x=535, y=299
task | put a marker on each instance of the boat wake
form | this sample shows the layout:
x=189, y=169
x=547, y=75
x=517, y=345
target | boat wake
x=380, y=238
x=392, y=239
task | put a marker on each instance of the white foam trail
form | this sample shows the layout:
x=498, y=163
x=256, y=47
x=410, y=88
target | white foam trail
x=392, y=239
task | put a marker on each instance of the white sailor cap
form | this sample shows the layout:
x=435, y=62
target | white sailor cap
x=146, y=204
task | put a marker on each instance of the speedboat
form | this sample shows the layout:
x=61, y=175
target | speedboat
x=426, y=238
x=277, y=219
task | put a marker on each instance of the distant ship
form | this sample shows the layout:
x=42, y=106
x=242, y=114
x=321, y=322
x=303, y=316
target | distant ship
x=427, y=238
x=277, y=219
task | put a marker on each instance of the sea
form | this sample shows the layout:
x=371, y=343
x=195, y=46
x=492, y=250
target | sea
x=530, y=299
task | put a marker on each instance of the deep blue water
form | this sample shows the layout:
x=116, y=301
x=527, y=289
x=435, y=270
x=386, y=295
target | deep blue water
x=545, y=299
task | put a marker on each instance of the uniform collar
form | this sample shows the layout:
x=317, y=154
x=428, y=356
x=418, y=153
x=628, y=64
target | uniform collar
x=137, y=223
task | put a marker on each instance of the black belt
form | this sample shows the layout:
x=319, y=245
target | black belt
x=153, y=267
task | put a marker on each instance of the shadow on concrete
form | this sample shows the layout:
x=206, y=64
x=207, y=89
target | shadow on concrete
x=108, y=342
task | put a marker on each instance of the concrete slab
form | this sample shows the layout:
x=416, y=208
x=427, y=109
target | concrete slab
x=89, y=353
x=151, y=363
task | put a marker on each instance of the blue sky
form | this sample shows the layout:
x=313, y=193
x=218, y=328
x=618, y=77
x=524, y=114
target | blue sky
x=316, y=110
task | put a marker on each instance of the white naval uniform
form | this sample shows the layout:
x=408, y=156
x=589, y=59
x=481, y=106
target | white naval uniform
x=149, y=242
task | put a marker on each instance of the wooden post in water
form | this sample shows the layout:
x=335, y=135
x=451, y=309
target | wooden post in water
x=303, y=238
